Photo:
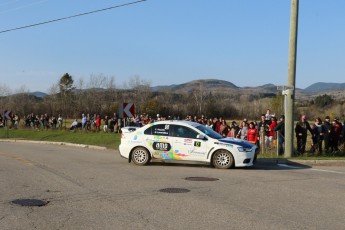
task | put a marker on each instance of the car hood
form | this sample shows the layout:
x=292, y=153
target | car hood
x=236, y=141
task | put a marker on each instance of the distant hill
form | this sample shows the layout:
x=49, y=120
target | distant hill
x=36, y=94
x=209, y=84
x=39, y=94
x=214, y=85
x=324, y=87
x=269, y=87
x=162, y=88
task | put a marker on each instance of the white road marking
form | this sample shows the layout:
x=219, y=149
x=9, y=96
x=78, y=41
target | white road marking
x=330, y=171
x=289, y=166
x=320, y=170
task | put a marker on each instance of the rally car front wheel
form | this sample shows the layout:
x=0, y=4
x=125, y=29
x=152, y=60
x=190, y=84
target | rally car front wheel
x=222, y=159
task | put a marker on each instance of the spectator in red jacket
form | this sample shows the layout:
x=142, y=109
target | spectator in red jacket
x=223, y=129
x=252, y=133
x=216, y=124
x=98, y=123
x=271, y=133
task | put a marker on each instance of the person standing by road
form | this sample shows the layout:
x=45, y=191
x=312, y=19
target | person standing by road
x=268, y=115
x=83, y=121
x=263, y=129
x=335, y=135
x=234, y=129
x=53, y=122
x=327, y=125
x=1, y=122
x=106, y=124
x=280, y=129
x=271, y=133
x=252, y=133
x=98, y=123
x=223, y=129
x=318, y=136
x=301, y=130
x=59, y=121
x=215, y=123
x=243, y=131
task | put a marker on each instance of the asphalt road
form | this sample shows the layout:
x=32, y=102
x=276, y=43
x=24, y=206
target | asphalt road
x=97, y=189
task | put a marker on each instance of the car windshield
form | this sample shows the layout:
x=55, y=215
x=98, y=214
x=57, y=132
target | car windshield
x=209, y=132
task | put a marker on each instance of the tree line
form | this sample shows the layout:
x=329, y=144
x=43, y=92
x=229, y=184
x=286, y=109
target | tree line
x=100, y=95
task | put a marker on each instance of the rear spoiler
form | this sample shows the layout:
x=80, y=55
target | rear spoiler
x=129, y=129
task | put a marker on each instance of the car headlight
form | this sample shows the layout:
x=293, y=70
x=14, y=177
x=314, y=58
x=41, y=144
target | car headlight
x=242, y=149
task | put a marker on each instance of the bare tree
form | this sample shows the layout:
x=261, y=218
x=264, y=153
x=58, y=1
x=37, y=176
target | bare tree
x=5, y=91
x=141, y=91
x=97, y=81
x=54, y=105
x=199, y=95
x=20, y=101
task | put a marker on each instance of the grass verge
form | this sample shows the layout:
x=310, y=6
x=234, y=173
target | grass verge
x=108, y=140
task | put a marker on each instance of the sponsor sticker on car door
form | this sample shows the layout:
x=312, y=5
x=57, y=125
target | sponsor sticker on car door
x=160, y=141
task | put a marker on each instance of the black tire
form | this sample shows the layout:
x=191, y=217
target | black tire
x=140, y=156
x=222, y=159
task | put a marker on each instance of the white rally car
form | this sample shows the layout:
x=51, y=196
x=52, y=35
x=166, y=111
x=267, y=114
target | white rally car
x=184, y=142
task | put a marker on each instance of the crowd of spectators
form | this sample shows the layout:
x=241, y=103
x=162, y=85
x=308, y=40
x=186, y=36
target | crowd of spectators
x=267, y=133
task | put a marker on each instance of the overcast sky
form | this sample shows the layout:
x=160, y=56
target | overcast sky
x=170, y=41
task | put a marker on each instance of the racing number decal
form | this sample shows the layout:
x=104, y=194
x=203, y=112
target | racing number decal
x=161, y=146
x=197, y=144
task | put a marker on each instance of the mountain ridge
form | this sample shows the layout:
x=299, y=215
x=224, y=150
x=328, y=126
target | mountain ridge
x=324, y=87
x=216, y=85
x=212, y=83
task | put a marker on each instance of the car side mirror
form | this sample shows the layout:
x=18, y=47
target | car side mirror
x=201, y=136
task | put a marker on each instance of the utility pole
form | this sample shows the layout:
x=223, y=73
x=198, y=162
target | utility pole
x=289, y=119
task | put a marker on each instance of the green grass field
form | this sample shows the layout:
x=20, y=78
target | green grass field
x=109, y=140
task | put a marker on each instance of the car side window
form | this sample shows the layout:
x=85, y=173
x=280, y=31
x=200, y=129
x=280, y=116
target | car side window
x=148, y=131
x=184, y=132
x=159, y=130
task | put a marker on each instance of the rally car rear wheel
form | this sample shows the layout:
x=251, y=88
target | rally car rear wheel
x=222, y=159
x=140, y=156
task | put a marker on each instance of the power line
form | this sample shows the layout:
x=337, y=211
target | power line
x=73, y=16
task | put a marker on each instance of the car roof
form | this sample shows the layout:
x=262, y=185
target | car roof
x=176, y=122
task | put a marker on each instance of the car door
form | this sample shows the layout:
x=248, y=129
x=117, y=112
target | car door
x=186, y=145
x=158, y=141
